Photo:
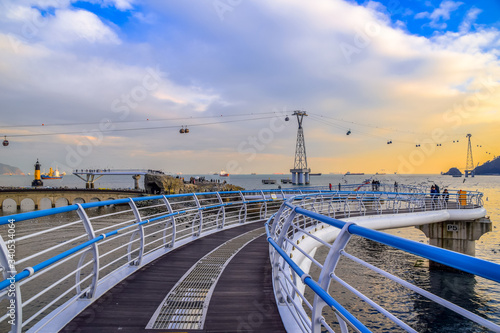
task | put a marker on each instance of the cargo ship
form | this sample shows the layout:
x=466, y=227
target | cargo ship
x=354, y=173
x=52, y=175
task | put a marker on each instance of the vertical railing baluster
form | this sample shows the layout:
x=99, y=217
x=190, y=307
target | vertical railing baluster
x=324, y=279
x=243, y=209
x=95, y=252
x=139, y=230
x=264, y=205
x=276, y=265
x=222, y=210
x=172, y=222
x=200, y=217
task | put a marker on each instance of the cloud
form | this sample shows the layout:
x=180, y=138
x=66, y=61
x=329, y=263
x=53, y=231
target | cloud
x=469, y=19
x=264, y=56
x=440, y=14
x=69, y=26
x=122, y=5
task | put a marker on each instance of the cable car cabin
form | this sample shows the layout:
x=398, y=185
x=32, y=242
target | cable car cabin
x=186, y=130
x=348, y=132
x=181, y=130
x=286, y=118
x=389, y=142
x=5, y=142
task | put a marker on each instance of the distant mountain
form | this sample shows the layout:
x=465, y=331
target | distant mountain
x=9, y=170
x=489, y=168
x=453, y=172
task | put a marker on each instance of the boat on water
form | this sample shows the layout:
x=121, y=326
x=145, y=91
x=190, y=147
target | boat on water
x=354, y=173
x=52, y=174
x=315, y=174
x=223, y=173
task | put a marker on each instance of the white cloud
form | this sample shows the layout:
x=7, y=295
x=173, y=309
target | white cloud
x=469, y=19
x=122, y=5
x=69, y=26
x=264, y=55
x=440, y=14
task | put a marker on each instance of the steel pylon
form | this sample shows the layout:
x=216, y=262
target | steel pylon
x=469, y=165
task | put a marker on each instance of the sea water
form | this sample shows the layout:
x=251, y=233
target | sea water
x=473, y=293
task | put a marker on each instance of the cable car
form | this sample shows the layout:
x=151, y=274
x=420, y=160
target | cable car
x=182, y=130
x=286, y=118
x=348, y=132
x=186, y=130
x=5, y=142
x=389, y=142
x=438, y=144
x=417, y=145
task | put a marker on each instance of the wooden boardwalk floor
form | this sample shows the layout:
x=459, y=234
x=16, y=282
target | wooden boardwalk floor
x=243, y=300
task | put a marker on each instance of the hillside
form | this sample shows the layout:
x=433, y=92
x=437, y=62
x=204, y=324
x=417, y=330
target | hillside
x=453, y=172
x=9, y=170
x=489, y=168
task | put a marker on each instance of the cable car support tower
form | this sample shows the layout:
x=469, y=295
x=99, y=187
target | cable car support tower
x=469, y=165
x=300, y=172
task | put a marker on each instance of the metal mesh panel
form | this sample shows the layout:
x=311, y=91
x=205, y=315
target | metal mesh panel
x=186, y=304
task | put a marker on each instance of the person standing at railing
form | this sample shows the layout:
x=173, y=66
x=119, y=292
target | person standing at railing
x=446, y=196
x=395, y=186
x=433, y=196
x=330, y=185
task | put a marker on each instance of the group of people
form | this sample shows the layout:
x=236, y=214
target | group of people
x=375, y=185
x=330, y=186
x=435, y=194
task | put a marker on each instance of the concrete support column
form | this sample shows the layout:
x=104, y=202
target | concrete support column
x=457, y=236
x=294, y=178
x=301, y=178
x=136, y=181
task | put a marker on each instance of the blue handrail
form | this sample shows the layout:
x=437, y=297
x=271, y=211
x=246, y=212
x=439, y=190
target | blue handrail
x=465, y=263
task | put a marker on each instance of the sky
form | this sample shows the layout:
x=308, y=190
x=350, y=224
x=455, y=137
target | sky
x=110, y=83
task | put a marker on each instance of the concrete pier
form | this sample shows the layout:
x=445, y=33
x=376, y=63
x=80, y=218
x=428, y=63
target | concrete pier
x=457, y=236
x=300, y=176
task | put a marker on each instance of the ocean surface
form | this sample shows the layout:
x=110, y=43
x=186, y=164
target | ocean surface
x=475, y=294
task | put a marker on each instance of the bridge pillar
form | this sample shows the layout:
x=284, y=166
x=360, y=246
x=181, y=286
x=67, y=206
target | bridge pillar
x=136, y=181
x=457, y=236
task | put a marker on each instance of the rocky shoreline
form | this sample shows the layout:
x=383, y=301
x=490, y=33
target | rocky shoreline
x=165, y=184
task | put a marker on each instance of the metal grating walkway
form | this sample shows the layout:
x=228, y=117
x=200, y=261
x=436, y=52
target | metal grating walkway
x=186, y=305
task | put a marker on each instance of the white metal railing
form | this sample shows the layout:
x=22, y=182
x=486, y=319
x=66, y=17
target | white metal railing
x=307, y=222
x=50, y=259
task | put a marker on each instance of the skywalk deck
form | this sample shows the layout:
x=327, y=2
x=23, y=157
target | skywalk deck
x=242, y=301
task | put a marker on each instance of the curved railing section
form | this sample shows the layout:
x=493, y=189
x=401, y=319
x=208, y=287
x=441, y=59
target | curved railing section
x=56, y=262
x=305, y=223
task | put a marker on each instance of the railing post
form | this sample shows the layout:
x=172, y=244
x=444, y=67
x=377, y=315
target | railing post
x=95, y=252
x=200, y=217
x=243, y=209
x=7, y=263
x=223, y=210
x=324, y=280
x=172, y=221
x=275, y=264
x=139, y=230
x=265, y=205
